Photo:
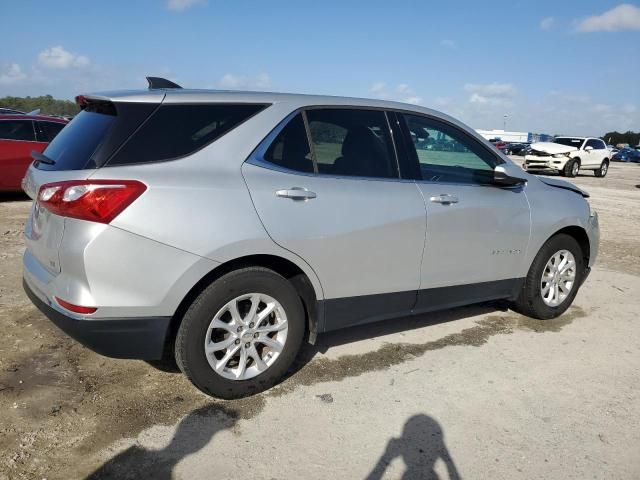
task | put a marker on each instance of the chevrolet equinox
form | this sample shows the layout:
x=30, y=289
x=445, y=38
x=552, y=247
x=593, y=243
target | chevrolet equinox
x=222, y=229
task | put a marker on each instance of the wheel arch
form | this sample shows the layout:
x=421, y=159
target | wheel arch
x=580, y=235
x=283, y=266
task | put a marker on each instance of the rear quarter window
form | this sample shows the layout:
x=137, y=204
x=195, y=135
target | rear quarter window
x=175, y=131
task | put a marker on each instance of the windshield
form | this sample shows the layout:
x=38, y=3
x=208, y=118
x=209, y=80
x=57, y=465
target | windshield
x=569, y=142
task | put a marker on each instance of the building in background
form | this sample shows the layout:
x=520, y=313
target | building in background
x=515, y=137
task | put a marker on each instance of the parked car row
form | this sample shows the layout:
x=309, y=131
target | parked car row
x=627, y=155
x=21, y=134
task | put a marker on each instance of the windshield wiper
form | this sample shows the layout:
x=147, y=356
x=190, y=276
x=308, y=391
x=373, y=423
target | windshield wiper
x=42, y=158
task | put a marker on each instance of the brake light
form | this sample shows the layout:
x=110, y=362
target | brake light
x=75, y=308
x=92, y=200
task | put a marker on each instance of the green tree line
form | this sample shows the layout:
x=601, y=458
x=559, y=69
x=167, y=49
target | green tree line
x=614, y=138
x=46, y=103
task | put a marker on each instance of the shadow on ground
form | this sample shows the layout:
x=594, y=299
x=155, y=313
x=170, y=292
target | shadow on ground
x=420, y=447
x=13, y=197
x=193, y=432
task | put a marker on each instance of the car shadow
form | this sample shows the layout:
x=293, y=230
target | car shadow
x=420, y=447
x=192, y=434
x=13, y=197
x=358, y=333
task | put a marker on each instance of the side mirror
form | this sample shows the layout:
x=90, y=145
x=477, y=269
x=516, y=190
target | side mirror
x=508, y=175
x=588, y=149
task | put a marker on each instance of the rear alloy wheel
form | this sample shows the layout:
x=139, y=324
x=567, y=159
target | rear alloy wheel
x=602, y=171
x=553, y=279
x=572, y=168
x=241, y=334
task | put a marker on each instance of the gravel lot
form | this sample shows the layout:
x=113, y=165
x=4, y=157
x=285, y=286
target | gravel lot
x=471, y=393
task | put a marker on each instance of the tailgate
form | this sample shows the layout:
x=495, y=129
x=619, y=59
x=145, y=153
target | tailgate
x=44, y=230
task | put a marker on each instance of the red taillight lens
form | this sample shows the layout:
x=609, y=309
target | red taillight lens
x=75, y=308
x=93, y=200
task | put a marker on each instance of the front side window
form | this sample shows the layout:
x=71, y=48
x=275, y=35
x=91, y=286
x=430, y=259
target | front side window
x=352, y=142
x=446, y=154
x=290, y=149
x=17, y=130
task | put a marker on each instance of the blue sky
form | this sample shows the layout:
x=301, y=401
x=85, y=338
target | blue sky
x=569, y=67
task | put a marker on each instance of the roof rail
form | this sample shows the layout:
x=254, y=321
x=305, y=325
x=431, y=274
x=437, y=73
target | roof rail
x=159, y=82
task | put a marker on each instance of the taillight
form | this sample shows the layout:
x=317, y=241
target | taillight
x=93, y=200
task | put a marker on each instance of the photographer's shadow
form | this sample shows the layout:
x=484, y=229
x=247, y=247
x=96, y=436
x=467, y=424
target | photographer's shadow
x=192, y=434
x=420, y=447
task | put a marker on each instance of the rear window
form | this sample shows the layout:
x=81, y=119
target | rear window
x=174, y=131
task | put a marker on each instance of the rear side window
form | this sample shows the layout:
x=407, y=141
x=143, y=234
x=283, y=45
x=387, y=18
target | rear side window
x=290, y=149
x=17, y=130
x=352, y=142
x=49, y=130
x=174, y=131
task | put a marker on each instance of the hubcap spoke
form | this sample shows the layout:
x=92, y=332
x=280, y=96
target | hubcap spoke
x=227, y=356
x=272, y=344
x=217, y=346
x=260, y=364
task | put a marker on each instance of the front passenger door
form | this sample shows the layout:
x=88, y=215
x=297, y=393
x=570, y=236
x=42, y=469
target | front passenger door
x=477, y=232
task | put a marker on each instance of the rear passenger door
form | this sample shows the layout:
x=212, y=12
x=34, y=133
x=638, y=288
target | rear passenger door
x=326, y=186
x=477, y=232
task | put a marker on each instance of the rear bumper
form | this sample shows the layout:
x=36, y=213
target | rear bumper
x=137, y=338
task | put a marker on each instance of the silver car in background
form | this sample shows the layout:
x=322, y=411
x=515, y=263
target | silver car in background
x=223, y=229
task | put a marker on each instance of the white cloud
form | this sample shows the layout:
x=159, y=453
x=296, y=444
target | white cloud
x=622, y=17
x=402, y=93
x=181, y=5
x=547, y=23
x=58, y=57
x=244, y=82
x=448, y=43
x=496, y=93
x=11, y=73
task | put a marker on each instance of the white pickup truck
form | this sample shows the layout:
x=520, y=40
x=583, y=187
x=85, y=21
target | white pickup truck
x=568, y=155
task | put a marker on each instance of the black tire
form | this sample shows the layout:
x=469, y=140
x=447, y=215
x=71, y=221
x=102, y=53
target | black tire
x=189, y=345
x=568, y=170
x=602, y=171
x=530, y=302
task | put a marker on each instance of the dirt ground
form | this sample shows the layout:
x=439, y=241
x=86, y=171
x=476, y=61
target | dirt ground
x=470, y=393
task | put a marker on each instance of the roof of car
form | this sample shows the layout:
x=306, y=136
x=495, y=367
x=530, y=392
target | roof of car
x=32, y=117
x=295, y=100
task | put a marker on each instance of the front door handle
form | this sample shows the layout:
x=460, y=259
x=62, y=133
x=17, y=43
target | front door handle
x=296, y=193
x=444, y=199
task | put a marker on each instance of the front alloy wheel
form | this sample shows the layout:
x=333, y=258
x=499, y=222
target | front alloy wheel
x=558, y=278
x=553, y=279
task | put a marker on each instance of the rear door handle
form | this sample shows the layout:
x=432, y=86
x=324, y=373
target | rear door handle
x=444, y=199
x=296, y=193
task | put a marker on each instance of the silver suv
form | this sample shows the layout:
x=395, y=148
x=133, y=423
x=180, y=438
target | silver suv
x=223, y=229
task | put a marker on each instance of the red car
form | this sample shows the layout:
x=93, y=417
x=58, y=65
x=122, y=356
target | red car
x=19, y=136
